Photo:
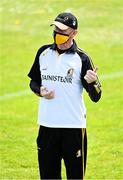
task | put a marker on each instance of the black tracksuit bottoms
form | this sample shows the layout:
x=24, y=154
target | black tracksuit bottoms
x=55, y=144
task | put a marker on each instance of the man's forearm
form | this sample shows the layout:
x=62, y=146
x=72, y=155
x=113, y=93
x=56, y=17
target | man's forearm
x=94, y=90
x=35, y=87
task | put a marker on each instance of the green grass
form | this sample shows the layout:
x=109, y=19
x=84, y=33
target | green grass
x=25, y=27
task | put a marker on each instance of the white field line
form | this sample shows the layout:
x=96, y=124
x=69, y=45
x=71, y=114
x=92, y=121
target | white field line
x=15, y=94
x=111, y=76
x=28, y=92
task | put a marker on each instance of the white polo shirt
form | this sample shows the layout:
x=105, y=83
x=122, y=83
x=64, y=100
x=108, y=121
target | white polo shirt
x=63, y=73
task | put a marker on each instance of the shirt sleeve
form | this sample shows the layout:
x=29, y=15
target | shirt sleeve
x=93, y=89
x=35, y=73
x=35, y=87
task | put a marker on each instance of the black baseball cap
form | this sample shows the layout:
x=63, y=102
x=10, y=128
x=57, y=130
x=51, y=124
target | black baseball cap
x=65, y=20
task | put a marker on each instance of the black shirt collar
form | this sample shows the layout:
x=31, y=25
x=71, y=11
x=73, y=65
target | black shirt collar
x=72, y=49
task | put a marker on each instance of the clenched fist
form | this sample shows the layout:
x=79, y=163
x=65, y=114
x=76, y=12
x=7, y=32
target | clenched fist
x=91, y=76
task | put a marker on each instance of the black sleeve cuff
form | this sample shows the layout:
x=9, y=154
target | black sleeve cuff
x=35, y=87
x=94, y=90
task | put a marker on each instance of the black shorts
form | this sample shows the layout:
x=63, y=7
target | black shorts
x=55, y=144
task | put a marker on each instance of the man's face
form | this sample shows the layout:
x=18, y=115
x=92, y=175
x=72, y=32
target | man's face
x=64, y=36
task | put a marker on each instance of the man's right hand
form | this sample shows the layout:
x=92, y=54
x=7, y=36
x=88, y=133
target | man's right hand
x=44, y=92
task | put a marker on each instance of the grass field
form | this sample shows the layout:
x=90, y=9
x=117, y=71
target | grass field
x=25, y=27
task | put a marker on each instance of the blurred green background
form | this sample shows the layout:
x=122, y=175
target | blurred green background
x=24, y=28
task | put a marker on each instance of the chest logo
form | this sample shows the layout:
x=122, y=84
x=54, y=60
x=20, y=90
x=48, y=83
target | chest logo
x=70, y=72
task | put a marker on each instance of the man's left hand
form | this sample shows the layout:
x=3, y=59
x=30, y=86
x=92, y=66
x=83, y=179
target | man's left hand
x=91, y=76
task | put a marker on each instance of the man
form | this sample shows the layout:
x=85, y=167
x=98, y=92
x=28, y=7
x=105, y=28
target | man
x=60, y=72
